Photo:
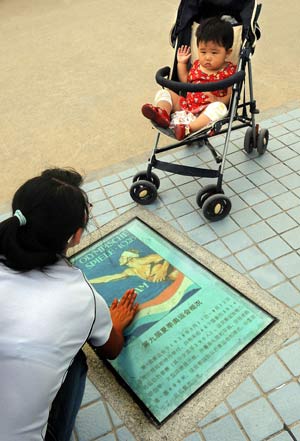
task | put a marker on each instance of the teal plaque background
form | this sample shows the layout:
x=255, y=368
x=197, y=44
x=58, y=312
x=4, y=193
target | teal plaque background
x=190, y=323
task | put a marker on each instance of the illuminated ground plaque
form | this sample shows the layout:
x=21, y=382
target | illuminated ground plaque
x=190, y=323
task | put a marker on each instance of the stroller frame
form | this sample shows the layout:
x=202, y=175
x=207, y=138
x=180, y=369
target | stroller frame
x=211, y=198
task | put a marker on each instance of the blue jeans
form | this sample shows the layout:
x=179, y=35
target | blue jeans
x=67, y=401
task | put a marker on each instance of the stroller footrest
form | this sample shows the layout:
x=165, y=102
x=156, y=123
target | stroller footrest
x=185, y=170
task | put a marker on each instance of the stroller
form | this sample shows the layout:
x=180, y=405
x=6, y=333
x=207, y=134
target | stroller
x=243, y=15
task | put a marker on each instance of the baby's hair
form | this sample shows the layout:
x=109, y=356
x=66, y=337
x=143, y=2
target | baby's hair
x=217, y=30
x=52, y=208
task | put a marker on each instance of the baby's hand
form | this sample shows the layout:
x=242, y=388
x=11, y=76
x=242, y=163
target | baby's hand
x=211, y=98
x=184, y=54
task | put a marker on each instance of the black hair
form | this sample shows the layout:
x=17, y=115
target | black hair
x=54, y=207
x=217, y=30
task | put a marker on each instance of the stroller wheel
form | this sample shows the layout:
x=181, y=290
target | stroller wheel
x=248, y=140
x=143, y=192
x=206, y=192
x=216, y=207
x=262, y=141
x=144, y=177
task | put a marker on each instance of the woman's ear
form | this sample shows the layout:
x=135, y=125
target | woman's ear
x=75, y=239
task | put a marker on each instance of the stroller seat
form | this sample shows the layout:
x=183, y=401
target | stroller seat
x=243, y=15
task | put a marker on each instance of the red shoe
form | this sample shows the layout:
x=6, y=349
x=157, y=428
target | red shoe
x=181, y=131
x=156, y=114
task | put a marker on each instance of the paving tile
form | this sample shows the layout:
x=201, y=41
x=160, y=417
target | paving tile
x=107, y=180
x=259, y=419
x=226, y=226
x=237, y=204
x=279, y=170
x=114, y=417
x=180, y=208
x=245, y=217
x=164, y=213
x=247, y=391
x=281, y=222
x=170, y=196
x=115, y=188
x=292, y=237
x=251, y=258
x=189, y=189
x=271, y=374
x=218, y=249
x=123, y=434
x=285, y=153
x=101, y=207
x=291, y=181
x=267, y=276
x=237, y=241
x=295, y=113
x=293, y=163
x=295, y=213
x=105, y=218
x=289, y=138
x=235, y=264
x=237, y=157
x=202, y=235
x=190, y=221
x=90, y=393
x=296, y=281
x=296, y=431
x=180, y=179
x=283, y=117
x=287, y=293
x=88, y=186
x=274, y=145
x=128, y=173
x=193, y=437
x=294, y=337
x=287, y=402
x=109, y=437
x=260, y=232
x=215, y=414
x=158, y=203
x=287, y=200
x=192, y=161
x=266, y=160
x=231, y=173
x=275, y=247
x=249, y=167
x=165, y=184
x=92, y=422
x=289, y=264
x=295, y=147
x=253, y=196
x=120, y=200
x=267, y=209
x=241, y=184
x=283, y=436
x=260, y=178
x=227, y=427
x=122, y=210
x=96, y=195
x=278, y=130
x=291, y=357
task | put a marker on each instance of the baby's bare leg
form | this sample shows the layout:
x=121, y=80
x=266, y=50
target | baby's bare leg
x=167, y=100
x=213, y=112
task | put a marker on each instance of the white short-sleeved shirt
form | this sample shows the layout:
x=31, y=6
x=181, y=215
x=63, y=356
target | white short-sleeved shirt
x=45, y=318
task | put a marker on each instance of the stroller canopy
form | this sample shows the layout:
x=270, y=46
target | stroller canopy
x=190, y=11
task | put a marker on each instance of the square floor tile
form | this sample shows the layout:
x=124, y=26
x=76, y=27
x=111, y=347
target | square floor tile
x=271, y=374
x=237, y=241
x=259, y=419
x=287, y=293
x=202, y=235
x=241, y=184
x=267, y=276
x=260, y=231
x=251, y=258
x=267, y=209
x=246, y=217
x=292, y=237
x=227, y=427
x=287, y=402
x=215, y=414
x=218, y=249
x=290, y=355
x=282, y=222
x=287, y=200
x=290, y=181
x=244, y=393
x=275, y=247
x=253, y=196
x=294, y=163
x=295, y=213
x=289, y=264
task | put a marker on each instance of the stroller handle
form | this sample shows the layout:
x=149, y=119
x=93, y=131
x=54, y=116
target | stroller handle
x=177, y=86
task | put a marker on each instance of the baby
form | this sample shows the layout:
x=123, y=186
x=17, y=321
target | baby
x=198, y=109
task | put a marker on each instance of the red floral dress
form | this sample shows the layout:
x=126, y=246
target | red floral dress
x=196, y=102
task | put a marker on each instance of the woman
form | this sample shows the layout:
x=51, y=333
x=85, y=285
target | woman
x=48, y=310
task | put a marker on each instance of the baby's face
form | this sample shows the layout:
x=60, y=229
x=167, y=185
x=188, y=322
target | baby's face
x=212, y=56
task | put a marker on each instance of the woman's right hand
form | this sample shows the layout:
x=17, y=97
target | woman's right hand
x=123, y=311
x=184, y=54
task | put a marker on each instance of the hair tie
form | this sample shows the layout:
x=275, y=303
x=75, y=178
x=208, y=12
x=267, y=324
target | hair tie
x=21, y=217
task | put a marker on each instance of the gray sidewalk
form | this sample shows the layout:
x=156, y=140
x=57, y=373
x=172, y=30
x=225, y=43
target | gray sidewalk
x=260, y=239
